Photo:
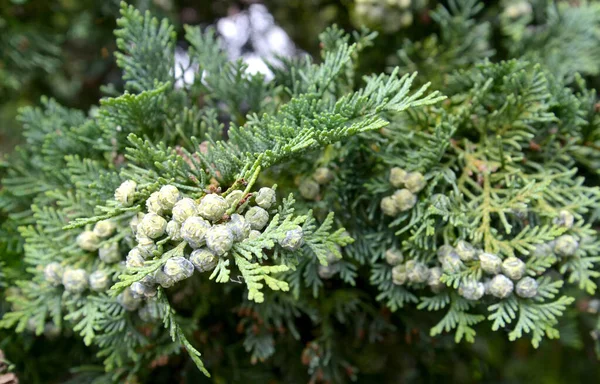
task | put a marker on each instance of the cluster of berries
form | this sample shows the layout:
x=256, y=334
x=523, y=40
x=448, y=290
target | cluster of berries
x=204, y=225
x=409, y=184
x=413, y=271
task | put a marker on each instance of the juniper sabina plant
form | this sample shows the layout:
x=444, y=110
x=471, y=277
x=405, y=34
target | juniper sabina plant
x=309, y=206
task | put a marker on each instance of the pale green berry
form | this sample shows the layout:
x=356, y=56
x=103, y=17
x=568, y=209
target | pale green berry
x=416, y=271
x=163, y=279
x=239, y=227
x=75, y=280
x=465, y=250
x=257, y=217
x=527, y=287
x=88, y=241
x=265, y=197
x=415, y=182
x=564, y=219
x=434, y=281
x=184, y=209
x=444, y=251
x=128, y=300
x=491, y=264
x=219, y=239
x=397, y=176
x=168, y=195
x=399, y=275
x=174, y=230
x=178, y=268
x=233, y=197
x=53, y=273
x=104, y=228
x=542, y=250
x=323, y=175
x=194, y=231
x=139, y=289
x=394, y=256
x=146, y=246
x=204, y=260
x=471, y=290
x=135, y=222
x=513, y=267
x=566, y=245
x=134, y=259
x=501, y=286
x=109, y=253
x=152, y=226
x=451, y=263
x=151, y=312
x=404, y=199
x=153, y=205
x=125, y=192
x=212, y=207
x=254, y=234
x=99, y=281
x=388, y=206
x=293, y=240
x=328, y=271
x=309, y=189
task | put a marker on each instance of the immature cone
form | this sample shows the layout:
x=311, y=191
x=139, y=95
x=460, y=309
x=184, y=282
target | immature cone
x=265, y=197
x=323, y=175
x=53, y=273
x=542, y=250
x=128, y=300
x=152, y=226
x=465, y=250
x=194, y=231
x=153, y=205
x=104, y=228
x=491, y=264
x=328, y=271
x=417, y=272
x=451, y=262
x=309, y=189
x=388, y=206
x=135, y=222
x=75, y=280
x=332, y=257
x=233, y=197
x=393, y=256
x=203, y=260
x=564, y=219
x=471, y=290
x=174, y=230
x=253, y=234
x=168, y=196
x=163, y=279
x=513, y=267
x=139, y=289
x=109, y=253
x=414, y=182
x=184, y=209
x=134, y=259
x=501, y=286
x=99, y=281
x=566, y=245
x=219, y=239
x=434, y=281
x=397, y=176
x=124, y=193
x=239, y=227
x=404, y=199
x=88, y=241
x=178, y=268
x=527, y=287
x=146, y=246
x=257, y=217
x=212, y=207
x=399, y=275
x=293, y=239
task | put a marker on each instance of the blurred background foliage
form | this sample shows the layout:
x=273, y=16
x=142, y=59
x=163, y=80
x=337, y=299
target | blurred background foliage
x=64, y=49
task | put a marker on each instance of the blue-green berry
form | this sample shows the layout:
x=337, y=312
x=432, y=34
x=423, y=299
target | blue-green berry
x=53, y=273
x=399, y=274
x=417, y=272
x=501, y=286
x=526, y=287
x=257, y=217
x=152, y=226
x=265, y=197
x=88, y=241
x=168, y=195
x=404, y=199
x=566, y=245
x=134, y=259
x=397, y=176
x=99, y=281
x=309, y=189
x=178, y=268
x=465, y=250
x=184, y=209
x=109, y=253
x=414, y=182
x=75, y=280
x=125, y=192
x=513, y=267
x=491, y=264
x=293, y=239
x=104, y=228
x=394, y=256
x=471, y=290
x=212, y=207
x=388, y=206
x=174, y=230
x=204, y=260
x=239, y=227
x=128, y=300
x=194, y=231
x=219, y=239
